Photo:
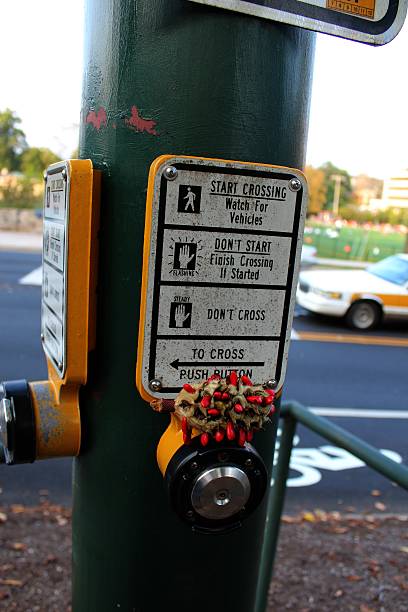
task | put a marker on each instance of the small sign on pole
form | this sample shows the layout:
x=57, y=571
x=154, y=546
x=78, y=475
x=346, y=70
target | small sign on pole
x=222, y=252
x=375, y=22
x=55, y=248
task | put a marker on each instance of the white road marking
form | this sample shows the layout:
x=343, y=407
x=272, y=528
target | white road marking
x=32, y=278
x=359, y=413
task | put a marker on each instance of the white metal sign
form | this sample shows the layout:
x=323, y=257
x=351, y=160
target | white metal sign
x=222, y=250
x=371, y=21
x=55, y=237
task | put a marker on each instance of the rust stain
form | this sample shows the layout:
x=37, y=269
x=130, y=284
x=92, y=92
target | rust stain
x=50, y=420
x=139, y=124
x=98, y=119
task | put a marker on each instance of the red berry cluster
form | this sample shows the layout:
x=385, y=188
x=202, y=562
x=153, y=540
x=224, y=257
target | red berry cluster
x=233, y=408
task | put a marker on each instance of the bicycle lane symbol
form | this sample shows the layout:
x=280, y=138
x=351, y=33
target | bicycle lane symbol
x=309, y=462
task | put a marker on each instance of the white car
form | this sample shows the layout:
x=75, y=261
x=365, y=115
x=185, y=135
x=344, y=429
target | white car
x=363, y=297
x=308, y=255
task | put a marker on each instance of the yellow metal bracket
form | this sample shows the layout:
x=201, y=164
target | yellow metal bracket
x=56, y=400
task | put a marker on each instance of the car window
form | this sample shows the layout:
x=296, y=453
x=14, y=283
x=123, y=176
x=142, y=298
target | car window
x=393, y=269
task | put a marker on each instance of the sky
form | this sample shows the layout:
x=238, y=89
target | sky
x=359, y=103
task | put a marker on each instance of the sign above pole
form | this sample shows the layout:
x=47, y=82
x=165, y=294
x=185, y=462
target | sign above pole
x=375, y=22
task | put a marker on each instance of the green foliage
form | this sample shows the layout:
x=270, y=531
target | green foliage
x=20, y=193
x=12, y=141
x=346, y=192
x=393, y=216
x=35, y=160
x=317, y=189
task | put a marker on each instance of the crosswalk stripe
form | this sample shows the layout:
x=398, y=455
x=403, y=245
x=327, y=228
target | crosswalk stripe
x=359, y=413
x=312, y=336
x=32, y=278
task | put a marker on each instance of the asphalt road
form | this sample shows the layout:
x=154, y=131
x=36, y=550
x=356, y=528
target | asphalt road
x=328, y=374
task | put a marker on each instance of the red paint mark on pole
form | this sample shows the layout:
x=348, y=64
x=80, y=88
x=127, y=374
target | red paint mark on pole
x=98, y=119
x=140, y=124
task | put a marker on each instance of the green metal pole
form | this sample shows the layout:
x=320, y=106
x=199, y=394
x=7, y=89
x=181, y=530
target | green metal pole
x=165, y=77
x=274, y=510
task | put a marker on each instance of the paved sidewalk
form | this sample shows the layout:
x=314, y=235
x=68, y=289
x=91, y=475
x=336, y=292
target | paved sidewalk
x=20, y=241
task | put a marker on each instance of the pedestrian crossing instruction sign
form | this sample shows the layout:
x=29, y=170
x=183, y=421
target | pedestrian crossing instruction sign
x=374, y=22
x=71, y=205
x=221, y=258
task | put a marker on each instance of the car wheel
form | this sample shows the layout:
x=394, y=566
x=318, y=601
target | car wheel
x=364, y=315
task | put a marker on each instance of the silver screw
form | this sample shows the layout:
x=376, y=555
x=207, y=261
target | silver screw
x=60, y=366
x=155, y=384
x=45, y=175
x=271, y=383
x=295, y=184
x=248, y=462
x=170, y=173
x=64, y=174
x=194, y=465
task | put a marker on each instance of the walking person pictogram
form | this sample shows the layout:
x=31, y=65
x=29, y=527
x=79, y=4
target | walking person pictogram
x=189, y=199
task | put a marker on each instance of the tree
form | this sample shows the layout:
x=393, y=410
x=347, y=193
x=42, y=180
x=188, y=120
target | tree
x=12, y=141
x=317, y=189
x=35, y=160
x=346, y=192
x=19, y=192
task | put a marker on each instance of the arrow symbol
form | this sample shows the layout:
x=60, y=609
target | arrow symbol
x=176, y=363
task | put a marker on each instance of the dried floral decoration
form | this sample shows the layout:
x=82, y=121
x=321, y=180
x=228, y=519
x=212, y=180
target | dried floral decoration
x=233, y=407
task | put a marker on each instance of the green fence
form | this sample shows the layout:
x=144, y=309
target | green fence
x=292, y=413
x=353, y=243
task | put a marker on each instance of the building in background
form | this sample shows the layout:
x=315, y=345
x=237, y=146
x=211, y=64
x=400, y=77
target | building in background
x=395, y=193
x=366, y=188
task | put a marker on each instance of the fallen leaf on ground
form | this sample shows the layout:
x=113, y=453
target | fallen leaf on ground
x=364, y=608
x=401, y=582
x=17, y=509
x=289, y=519
x=4, y=595
x=380, y=506
x=11, y=582
x=375, y=493
x=339, y=530
x=338, y=593
x=18, y=546
x=309, y=516
x=374, y=567
x=354, y=578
